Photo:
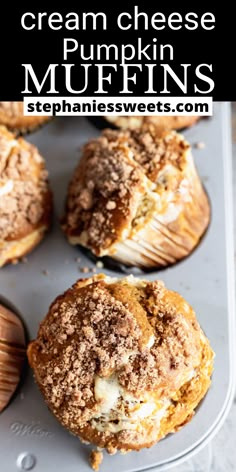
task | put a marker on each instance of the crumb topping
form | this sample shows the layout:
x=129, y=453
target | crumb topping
x=113, y=175
x=96, y=458
x=90, y=331
x=11, y=109
x=24, y=207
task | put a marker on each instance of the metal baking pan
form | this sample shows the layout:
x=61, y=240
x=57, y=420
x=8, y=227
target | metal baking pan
x=30, y=437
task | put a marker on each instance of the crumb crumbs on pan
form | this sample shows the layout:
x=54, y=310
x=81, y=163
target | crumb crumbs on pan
x=15, y=261
x=200, y=145
x=45, y=272
x=96, y=458
x=84, y=270
x=99, y=264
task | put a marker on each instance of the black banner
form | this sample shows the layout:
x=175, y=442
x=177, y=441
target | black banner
x=136, y=49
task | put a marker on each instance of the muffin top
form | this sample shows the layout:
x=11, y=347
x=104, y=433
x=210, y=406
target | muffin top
x=161, y=122
x=12, y=116
x=116, y=173
x=11, y=109
x=25, y=198
x=106, y=339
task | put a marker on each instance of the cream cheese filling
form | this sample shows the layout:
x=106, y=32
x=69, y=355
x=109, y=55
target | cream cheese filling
x=120, y=410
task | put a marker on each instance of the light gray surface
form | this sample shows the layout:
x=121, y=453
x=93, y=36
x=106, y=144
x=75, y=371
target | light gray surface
x=26, y=425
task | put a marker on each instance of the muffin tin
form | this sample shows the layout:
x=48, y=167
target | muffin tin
x=30, y=437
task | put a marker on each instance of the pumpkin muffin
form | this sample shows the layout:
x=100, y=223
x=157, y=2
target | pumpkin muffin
x=136, y=196
x=12, y=116
x=121, y=363
x=25, y=197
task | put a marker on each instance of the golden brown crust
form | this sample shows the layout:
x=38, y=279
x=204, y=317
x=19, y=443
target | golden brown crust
x=139, y=338
x=160, y=122
x=11, y=116
x=136, y=196
x=26, y=200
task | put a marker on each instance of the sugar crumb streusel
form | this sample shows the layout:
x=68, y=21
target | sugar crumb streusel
x=96, y=458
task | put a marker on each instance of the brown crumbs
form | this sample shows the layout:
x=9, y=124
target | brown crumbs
x=96, y=458
x=84, y=270
x=200, y=145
